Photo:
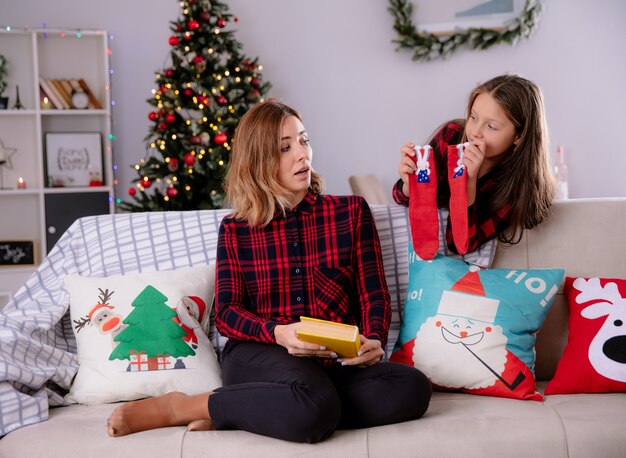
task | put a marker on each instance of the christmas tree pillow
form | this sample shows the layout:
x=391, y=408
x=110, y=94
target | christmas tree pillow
x=142, y=335
x=594, y=360
x=473, y=330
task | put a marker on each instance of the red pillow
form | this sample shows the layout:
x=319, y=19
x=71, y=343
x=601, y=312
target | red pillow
x=594, y=360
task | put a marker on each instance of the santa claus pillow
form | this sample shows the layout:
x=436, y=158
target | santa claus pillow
x=594, y=360
x=142, y=335
x=473, y=330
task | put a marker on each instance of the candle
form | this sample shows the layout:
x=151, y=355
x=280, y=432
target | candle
x=21, y=184
x=45, y=103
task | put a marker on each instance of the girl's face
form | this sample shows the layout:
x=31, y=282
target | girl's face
x=295, y=158
x=489, y=128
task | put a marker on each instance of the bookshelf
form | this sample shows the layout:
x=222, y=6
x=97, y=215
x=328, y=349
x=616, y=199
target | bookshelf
x=40, y=213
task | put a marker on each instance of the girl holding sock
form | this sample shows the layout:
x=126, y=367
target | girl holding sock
x=509, y=186
x=289, y=251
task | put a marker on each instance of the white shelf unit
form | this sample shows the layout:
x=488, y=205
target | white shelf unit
x=29, y=214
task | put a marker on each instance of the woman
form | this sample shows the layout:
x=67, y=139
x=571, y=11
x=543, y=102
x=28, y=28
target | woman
x=289, y=251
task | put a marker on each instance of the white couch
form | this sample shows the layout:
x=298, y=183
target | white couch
x=585, y=237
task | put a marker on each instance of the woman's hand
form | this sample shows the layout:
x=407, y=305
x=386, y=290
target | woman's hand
x=370, y=353
x=286, y=336
x=407, y=165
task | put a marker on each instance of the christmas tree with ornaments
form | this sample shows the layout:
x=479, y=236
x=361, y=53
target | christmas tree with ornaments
x=198, y=101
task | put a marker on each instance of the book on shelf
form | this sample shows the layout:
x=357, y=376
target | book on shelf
x=59, y=92
x=343, y=339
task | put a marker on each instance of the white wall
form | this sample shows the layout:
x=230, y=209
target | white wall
x=334, y=61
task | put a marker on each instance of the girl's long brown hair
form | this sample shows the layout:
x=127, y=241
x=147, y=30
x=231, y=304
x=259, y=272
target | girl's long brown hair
x=253, y=189
x=523, y=179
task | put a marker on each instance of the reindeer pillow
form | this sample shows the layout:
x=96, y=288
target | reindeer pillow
x=473, y=330
x=142, y=335
x=594, y=360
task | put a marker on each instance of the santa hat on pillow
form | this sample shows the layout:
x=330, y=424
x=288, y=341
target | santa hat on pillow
x=195, y=306
x=467, y=299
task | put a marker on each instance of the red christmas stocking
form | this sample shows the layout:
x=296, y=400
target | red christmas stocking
x=457, y=178
x=423, y=204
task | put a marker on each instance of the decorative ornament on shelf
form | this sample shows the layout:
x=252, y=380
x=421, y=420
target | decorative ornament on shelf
x=428, y=46
x=5, y=161
x=18, y=103
x=80, y=99
x=4, y=71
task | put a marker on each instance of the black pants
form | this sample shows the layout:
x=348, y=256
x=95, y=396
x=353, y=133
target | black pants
x=270, y=392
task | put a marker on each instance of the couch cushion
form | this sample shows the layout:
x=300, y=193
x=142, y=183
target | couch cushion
x=140, y=335
x=594, y=360
x=473, y=329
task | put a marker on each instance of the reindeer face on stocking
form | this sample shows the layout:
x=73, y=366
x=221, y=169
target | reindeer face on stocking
x=594, y=360
x=473, y=330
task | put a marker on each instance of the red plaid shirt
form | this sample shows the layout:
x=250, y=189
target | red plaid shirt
x=484, y=224
x=322, y=260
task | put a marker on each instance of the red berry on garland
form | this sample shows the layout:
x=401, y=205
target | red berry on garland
x=170, y=118
x=145, y=182
x=190, y=159
x=193, y=25
x=153, y=116
x=205, y=16
x=172, y=192
x=221, y=23
x=236, y=19
x=132, y=191
x=174, y=40
x=188, y=92
x=162, y=126
x=222, y=100
x=220, y=138
x=173, y=164
x=194, y=140
x=169, y=73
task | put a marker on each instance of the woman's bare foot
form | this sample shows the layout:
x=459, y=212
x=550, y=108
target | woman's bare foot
x=171, y=409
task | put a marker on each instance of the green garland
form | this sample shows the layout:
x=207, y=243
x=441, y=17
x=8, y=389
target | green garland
x=428, y=46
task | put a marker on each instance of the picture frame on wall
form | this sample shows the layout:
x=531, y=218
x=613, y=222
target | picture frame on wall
x=17, y=253
x=455, y=15
x=73, y=159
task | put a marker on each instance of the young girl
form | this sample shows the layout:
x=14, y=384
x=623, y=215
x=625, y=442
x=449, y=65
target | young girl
x=509, y=184
x=290, y=251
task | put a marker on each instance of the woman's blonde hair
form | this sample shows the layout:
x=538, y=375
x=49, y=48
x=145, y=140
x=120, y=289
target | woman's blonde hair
x=252, y=184
x=523, y=179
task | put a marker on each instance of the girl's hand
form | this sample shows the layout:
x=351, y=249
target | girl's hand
x=473, y=157
x=370, y=353
x=285, y=335
x=407, y=166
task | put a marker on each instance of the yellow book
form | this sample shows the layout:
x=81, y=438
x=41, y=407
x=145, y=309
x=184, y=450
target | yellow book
x=341, y=338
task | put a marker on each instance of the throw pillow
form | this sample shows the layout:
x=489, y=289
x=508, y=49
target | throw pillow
x=142, y=335
x=474, y=330
x=594, y=360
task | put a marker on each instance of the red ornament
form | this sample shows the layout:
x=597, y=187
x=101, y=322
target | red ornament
x=153, y=116
x=172, y=192
x=163, y=89
x=173, y=164
x=198, y=60
x=194, y=140
x=169, y=73
x=255, y=82
x=220, y=138
x=162, y=126
x=145, y=182
x=236, y=19
x=188, y=92
x=190, y=159
x=222, y=100
x=179, y=27
x=174, y=40
x=221, y=23
x=204, y=100
x=193, y=25
x=132, y=191
x=204, y=15
x=170, y=118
